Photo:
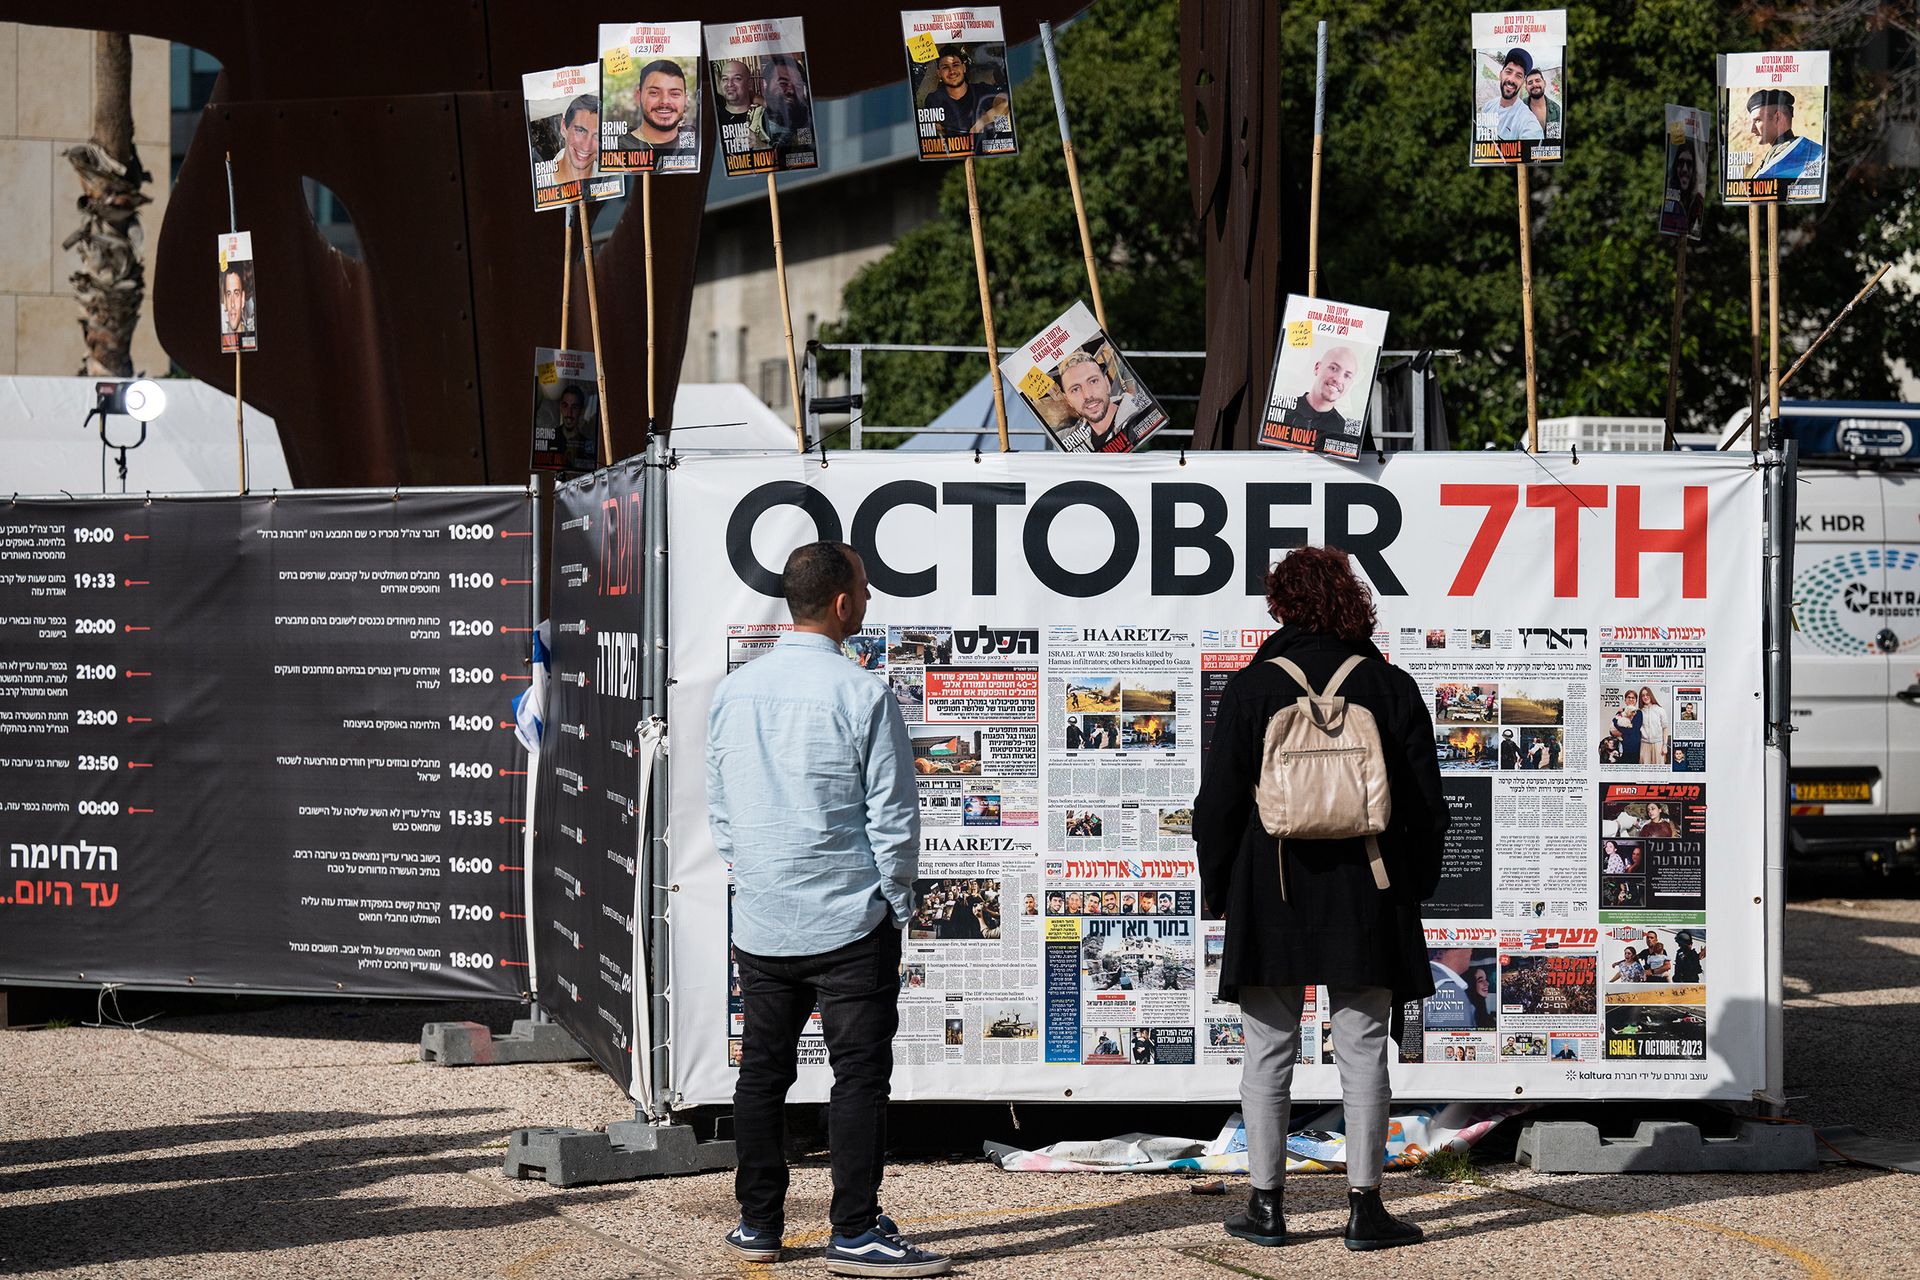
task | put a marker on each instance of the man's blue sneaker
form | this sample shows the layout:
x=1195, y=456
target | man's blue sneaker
x=881, y=1252
x=754, y=1246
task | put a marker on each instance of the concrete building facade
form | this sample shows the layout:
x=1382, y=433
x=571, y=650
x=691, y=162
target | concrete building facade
x=46, y=106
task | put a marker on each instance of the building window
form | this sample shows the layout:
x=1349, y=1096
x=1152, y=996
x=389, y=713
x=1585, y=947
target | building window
x=773, y=383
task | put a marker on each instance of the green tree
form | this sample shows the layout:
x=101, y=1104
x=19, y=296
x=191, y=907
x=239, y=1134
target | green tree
x=1120, y=63
x=1408, y=226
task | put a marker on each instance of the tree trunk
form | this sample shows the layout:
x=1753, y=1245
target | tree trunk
x=111, y=282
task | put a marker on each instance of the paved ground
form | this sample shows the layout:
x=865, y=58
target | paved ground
x=307, y=1140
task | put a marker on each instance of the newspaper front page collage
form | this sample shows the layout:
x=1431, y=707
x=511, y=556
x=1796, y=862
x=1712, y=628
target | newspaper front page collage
x=1058, y=916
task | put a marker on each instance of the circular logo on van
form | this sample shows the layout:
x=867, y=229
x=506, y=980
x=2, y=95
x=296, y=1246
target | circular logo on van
x=1843, y=602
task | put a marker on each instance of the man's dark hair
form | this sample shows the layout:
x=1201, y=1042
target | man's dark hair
x=814, y=576
x=786, y=60
x=667, y=65
x=585, y=102
x=955, y=51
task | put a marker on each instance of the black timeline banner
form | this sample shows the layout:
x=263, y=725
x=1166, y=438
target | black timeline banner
x=587, y=837
x=265, y=742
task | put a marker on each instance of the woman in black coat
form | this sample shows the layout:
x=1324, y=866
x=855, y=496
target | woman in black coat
x=1334, y=925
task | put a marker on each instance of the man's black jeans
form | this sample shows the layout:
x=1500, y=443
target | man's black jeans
x=858, y=989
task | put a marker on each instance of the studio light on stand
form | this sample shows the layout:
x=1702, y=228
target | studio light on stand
x=143, y=400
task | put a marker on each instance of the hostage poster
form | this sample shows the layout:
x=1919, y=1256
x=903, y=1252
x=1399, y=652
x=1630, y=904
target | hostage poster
x=649, y=82
x=1082, y=389
x=1774, y=113
x=762, y=97
x=563, y=136
x=566, y=411
x=1519, y=87
x=1689, y=137
x=1323, y=377
x=957, y=75
x=238, y=328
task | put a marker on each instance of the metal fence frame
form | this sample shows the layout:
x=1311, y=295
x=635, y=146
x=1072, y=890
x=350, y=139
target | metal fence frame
x=852, y=404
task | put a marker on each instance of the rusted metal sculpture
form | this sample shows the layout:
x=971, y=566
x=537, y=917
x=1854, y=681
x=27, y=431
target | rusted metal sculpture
x=1230, y=66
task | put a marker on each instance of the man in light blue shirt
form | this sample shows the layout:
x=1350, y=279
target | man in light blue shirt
x=811, y=798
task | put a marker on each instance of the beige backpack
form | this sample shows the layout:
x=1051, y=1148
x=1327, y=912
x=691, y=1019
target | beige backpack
x=1323, y=773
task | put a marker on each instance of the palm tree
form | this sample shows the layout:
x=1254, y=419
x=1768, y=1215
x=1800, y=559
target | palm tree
x=111, y=282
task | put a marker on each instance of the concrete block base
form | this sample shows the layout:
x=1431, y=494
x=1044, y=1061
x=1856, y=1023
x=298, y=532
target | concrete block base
x=1666, y=1146
x=470, y=1044
x=627, y=1151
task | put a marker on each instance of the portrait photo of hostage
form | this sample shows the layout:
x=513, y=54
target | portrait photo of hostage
x=957, y=74
x=1776, y=110
x=1519, y=87
x=1323, y=377
x=762, y=97
x=649, y=82
x=566, y=412
x=1684, y=209
x=1082, y=389
x=238, y=327
x=563, y=136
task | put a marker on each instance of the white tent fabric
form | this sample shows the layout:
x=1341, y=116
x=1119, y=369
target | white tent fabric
x=716, y=416
x=968, y=424
x=189, y=448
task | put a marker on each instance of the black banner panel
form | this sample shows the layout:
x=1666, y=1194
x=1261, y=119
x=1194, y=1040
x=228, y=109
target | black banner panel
x=587, y=837
x=266, y=743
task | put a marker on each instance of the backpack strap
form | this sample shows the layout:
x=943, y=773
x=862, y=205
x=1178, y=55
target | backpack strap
x=1333, y=684
x=1340, y=675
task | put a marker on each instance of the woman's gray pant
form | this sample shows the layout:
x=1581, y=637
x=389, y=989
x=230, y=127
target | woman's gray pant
x=1271, y=1018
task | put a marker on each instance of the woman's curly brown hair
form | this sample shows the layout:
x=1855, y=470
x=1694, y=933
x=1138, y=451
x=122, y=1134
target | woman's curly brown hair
x=1316, y=588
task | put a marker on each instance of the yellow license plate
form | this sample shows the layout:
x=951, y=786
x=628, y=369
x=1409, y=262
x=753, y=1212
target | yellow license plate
x=1832, y=792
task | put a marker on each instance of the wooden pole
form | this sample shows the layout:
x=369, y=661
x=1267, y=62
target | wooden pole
x=1073, y=185
x=1319, y=130
x=646, y=230
x=986, y=306
x=566, y=280
x=1673, y=340
x=1773, y=323
x=1753, y=306
x=1814, y=346
x=1526, y=305
x=786, y=315
x=593, y=319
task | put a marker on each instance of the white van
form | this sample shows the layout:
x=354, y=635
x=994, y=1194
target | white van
x=1855, y=749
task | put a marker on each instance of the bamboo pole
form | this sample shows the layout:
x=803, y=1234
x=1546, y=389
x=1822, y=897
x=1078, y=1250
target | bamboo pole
x=1773, y=324
x=566, y=280
x=786, y=315
x=646, y=229
x=1673, y=340
x=986, y=306
x=1526, y=305
x=1073, y=185
x=1753, y=306
x=1814, y=346
x=1319, y=130
x=593, y=319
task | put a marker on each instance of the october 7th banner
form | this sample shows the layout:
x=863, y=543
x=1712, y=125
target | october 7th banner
x=1057, y=643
